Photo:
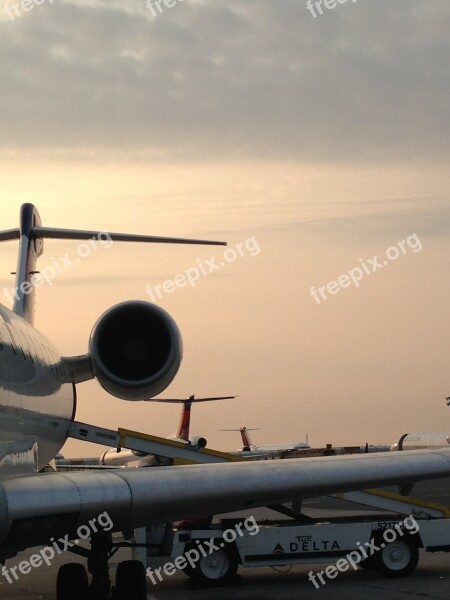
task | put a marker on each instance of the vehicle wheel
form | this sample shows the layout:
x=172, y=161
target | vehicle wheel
x=72, y=582
x=217, y=568
x=397, y=559
x=131, y=583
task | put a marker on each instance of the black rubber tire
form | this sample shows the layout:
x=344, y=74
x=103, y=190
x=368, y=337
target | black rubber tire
x=216, y=569
x=72, y=582
x=397, y=559
x=131, y=582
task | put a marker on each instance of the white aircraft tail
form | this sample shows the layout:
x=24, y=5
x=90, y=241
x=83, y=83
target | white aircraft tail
x=31, y=235
x=30, y=248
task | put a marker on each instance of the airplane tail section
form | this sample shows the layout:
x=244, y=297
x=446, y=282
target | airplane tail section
x=185, y=421
x=246, y=441
x=185, y=418
x=30, y=248
x=31, y=234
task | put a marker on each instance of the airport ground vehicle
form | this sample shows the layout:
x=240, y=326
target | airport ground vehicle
x=388, y=543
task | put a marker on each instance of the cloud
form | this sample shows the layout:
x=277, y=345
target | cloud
x=215, y=79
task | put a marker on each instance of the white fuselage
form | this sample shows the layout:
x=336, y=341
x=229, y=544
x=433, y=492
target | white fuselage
x=280, y=447
x=37, y=401
x=422, y=441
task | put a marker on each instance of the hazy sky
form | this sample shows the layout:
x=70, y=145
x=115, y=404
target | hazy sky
x=317, y=143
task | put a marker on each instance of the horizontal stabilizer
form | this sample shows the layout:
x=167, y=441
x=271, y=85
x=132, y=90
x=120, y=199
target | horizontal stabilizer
x=31, y=234
x=9, y=234
x=242, y=429
x=191, y=399
x=56, y=233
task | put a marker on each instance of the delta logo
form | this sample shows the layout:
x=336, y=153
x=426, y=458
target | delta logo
x=278, y=549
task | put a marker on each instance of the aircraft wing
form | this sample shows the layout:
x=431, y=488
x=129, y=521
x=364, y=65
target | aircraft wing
x=34, y=508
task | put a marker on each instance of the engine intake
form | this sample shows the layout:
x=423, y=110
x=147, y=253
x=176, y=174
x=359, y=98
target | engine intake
x=136, y=350
x=198, y=441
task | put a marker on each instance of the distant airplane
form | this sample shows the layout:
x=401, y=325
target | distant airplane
x=422, y=440
x=114, y=457
x=134, y=352
x=183, y=432
x=268, y=449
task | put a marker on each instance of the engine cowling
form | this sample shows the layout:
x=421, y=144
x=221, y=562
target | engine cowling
x=198, y=441
x=136, y=350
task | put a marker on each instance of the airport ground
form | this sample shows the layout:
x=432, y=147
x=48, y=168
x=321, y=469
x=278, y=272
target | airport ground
x=430, y=580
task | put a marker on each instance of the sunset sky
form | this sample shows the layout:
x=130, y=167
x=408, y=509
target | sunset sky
x=317, y=143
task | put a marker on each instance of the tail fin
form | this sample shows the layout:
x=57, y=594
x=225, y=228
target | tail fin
x=246, y=441
x=30, y=248
x=185, y=421
x=31, y=233
x=185, y=418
